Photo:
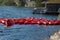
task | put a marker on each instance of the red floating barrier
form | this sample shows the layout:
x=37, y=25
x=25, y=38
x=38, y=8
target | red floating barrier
x=39, y=21
x=32, y=22
x=45, y=23
x=7, y=22
x=57, y=22
x=10, y=22
x=4, y=21
x=52, y=22
x=19, y=21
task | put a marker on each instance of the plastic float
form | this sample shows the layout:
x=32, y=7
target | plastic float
x=39, y=21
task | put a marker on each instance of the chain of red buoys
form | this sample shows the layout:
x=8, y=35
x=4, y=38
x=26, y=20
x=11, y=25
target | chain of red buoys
x=39, y=21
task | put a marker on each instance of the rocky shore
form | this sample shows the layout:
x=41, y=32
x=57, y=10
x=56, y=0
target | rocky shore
x=55, y=36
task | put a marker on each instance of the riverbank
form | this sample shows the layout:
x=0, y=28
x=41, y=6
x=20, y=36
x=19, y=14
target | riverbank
x=21, y=3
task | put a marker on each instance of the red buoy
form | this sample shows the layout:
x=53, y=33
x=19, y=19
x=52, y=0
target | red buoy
x=4, y=21
x=10, y=22
x=26, y=22
x=52, y=22
x=57, y=22
x=19, y=21
x=39, y=23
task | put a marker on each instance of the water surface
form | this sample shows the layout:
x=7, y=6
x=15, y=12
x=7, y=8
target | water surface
x=25, y=32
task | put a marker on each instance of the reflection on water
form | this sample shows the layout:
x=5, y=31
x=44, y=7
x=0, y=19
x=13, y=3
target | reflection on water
x=25, y=32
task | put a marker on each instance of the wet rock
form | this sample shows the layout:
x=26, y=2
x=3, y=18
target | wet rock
x=55, y=36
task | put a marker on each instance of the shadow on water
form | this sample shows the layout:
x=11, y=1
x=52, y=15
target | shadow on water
x=54, y=14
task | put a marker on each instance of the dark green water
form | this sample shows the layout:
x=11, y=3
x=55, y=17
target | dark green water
x=25, y=32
